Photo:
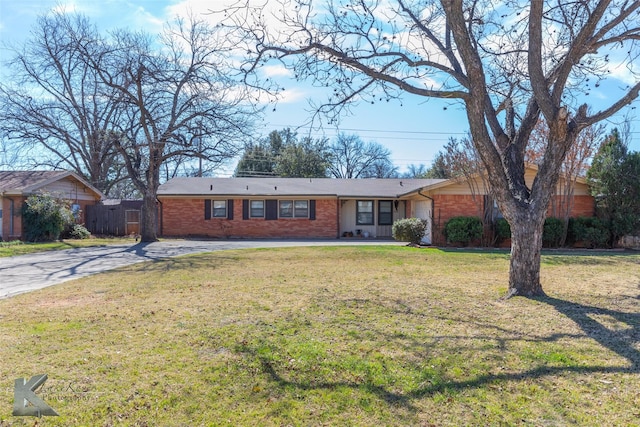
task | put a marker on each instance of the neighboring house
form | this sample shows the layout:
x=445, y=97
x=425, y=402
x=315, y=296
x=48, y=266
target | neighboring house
x=17, y=186
x=324, y=207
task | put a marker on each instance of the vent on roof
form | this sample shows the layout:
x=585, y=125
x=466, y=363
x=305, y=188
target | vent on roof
x=275, y=188
x=400, y=183
x=211, y=187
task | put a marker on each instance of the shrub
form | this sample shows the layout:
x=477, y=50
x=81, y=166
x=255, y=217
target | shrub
x=503, y=229
x=591, y=230
x=463, y=229
x=44, y=217
x=553, y=232
x=409, y=230
x=79, y=232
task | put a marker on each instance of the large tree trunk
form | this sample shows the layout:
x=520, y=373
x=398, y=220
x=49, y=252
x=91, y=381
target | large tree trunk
x=149, y=220
x=526, y=245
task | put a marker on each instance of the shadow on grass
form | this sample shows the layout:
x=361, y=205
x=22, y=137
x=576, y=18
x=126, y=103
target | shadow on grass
x=621, y=342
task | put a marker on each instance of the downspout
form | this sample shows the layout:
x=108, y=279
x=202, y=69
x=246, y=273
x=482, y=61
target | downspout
x=2, y=197
x=160, y=217
x=339, y=211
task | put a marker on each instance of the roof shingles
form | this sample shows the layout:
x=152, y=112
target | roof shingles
x=25, y=181
x=274, y=187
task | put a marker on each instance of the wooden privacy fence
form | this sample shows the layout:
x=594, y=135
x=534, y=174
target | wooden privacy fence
x=113, y=219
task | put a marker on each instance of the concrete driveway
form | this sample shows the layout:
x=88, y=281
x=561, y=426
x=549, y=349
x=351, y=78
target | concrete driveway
x=26, y=273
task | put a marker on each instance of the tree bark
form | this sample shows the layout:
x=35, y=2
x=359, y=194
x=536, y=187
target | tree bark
x=148, y=225
x=526, y=246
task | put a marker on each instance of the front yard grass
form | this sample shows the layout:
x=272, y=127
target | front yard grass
x=18, y=247
x=356, y=336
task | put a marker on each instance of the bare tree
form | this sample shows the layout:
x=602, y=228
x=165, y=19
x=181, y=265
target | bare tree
x=508, y=62
x=574, y=166
x=350, y=157
x=419, y=171
x=178, y=98
x=55, y=111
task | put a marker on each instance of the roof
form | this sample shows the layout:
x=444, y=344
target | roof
x=26, y=182
x=270, y=187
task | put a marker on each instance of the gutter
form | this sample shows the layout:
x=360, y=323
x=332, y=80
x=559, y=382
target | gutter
x=160, y=218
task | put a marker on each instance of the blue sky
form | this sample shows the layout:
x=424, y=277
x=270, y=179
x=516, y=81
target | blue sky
x=414, y=131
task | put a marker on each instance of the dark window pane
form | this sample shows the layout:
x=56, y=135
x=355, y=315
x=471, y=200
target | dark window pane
x=286, y=208
x=364, y=212
x=219, y=209
x=385, y=212
x=301, y=208
x=257, y=208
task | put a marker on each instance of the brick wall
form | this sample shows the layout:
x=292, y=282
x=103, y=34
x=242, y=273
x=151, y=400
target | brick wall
x=583, y=205
x=446, y=206
x=449, y=205
x=185, y=217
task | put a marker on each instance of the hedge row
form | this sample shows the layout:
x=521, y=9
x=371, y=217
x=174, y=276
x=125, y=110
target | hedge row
x=586, y=231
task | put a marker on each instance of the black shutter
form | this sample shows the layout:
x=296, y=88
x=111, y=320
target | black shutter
x=271, y=209
x=230, y=209
x=245, y=209
x=207, y=209
x=312, y=210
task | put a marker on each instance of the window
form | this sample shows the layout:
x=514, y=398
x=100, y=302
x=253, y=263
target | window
x=286, y=209
x=256, y=209
x=364, y=212
x=293, y=209
x=75, y=210
x=219, y=208
x=385, y=212
x=301, y=209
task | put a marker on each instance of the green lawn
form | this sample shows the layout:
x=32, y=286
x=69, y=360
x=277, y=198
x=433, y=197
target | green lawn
x=21, y=248
x=360, y=336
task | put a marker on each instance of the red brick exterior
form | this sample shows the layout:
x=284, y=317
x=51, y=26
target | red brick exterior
x=447, y=206
x=185, y=217
x=583, y=205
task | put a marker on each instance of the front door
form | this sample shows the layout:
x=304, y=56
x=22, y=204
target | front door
x=423, y=211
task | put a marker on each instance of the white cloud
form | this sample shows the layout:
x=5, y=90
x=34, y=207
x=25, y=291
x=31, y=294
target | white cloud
x=276, y=71
x=291, y=96
x=620, y=71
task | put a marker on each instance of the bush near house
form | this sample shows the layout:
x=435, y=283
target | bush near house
x=409, y=230
x=44, y=217
x=553, y=232
x=502, y=230
x=463, y=229
x=590, y=231
x=78, y=232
